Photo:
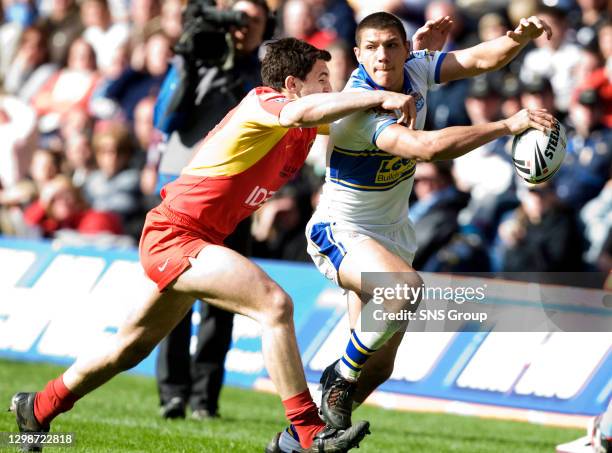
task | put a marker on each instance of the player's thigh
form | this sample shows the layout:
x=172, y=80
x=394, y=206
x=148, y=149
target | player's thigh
x=371, y=256
x=155, y=316
x=228, y=280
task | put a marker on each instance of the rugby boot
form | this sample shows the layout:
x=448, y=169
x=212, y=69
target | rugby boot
x=337, y=398
x=332, y=440
x=22, y=404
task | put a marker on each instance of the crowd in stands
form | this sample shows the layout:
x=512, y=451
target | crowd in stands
x=78, y=151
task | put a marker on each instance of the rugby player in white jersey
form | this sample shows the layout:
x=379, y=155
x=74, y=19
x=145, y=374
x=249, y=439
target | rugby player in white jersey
x=361, y=223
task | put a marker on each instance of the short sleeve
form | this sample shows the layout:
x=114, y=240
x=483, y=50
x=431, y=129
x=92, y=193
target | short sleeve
x=428, y=64
x=376, y=121
x=273, y=104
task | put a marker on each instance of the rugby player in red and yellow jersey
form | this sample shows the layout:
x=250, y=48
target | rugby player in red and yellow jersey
x=256, y=149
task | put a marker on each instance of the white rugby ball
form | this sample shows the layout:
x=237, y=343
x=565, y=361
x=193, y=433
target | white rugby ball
x=538, y=156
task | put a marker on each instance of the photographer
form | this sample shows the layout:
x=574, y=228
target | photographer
x=217, y=88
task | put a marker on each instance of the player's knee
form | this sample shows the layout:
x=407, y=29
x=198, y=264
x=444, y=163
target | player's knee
x=280, y=307
x=410, y=299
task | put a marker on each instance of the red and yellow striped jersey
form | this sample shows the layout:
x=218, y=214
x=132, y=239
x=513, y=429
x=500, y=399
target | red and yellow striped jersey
x=240, y=164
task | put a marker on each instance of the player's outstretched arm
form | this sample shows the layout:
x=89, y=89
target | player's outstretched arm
x=494, y=54
x=323, y=108
x=456, y=141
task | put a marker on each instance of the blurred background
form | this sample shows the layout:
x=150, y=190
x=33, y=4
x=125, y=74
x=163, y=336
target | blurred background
x=79, y=80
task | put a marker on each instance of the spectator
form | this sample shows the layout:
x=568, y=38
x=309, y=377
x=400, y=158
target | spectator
x=114, y=187
x=604, y=39
x=19, y=136
x=342, y=64
x=541, y=235
x=537, y=93
x=63, y=27
x=604, y=261
x=105, y=37
x=30, y=68
x=589, y=152
x=435, y=212
x=486, y=173
x=601, y=78
x=145, y=22
x=68, y=88
x=61, y=206
x=597, y=218
x=300, y=21
x=79, y=158
x=592, y=11
x=336, y=16
x=10, y=32
x=445, y=102
x=510, y=90
x=131, y=86
x=458, y=36
x=147, y=156
x=46, y=165
x=171, y=19
x=555, y=58
x=491, y=26
x=100, y=106
x=590, y=61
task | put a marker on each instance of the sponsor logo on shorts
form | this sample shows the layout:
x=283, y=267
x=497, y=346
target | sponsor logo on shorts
x=259, y=196
x=163, y=266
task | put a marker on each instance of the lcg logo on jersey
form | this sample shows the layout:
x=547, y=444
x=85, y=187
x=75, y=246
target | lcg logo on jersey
x=259, y=196
x=392, y=169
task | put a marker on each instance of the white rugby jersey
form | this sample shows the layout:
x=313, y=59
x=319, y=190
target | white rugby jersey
x=364, y=185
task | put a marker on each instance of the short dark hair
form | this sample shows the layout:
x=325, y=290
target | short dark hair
x=289, y=56
x=380, y=21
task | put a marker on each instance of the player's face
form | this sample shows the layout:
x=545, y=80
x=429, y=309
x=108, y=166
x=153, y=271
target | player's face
x=317, y=80
x=383, y=54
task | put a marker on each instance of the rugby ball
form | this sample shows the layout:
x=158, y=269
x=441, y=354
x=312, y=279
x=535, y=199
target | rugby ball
x=538, y=156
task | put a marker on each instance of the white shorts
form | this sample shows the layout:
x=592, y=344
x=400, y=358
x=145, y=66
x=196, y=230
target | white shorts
x=329, y=241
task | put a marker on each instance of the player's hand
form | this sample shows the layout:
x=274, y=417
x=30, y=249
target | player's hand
x=432, y=35
x=538, y=119
x=403, y=104
x=529, y=29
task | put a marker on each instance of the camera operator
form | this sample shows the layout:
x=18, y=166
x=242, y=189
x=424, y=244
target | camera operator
x=218, y=88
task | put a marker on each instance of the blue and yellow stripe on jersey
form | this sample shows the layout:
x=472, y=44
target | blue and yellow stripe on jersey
x=368, y=169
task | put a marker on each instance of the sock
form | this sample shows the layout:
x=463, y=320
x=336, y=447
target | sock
x=360, y=348
x=52, y=401
x=303, y=414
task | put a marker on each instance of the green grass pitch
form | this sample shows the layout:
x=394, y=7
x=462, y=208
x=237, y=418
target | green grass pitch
x=122, y=416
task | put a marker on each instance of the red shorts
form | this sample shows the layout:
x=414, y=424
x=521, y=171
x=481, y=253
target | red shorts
x=168, y=241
